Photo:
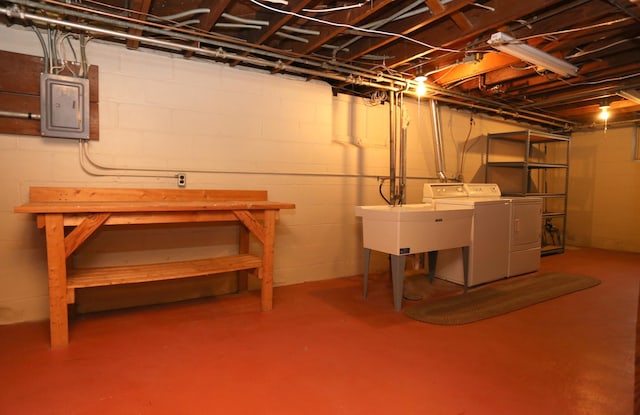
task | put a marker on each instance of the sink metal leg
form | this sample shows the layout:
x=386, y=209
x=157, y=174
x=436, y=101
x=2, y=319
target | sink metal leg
x=432, y=257
x=397, y=276
x=367, y=258
x=465, y=266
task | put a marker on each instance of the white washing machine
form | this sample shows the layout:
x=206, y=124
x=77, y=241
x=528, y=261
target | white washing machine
x=490, y=231
x=525, y=240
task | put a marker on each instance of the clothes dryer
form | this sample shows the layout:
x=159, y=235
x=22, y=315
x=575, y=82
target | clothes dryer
x=525, y=221
x=525, y=237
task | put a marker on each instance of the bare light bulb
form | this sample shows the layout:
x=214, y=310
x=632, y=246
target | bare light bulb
x=421, y=88
x=604, y=112
x=604, y=116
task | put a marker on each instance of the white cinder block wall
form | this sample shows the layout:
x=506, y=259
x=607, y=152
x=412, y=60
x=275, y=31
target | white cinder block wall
x=226, y=128
x=604, y=198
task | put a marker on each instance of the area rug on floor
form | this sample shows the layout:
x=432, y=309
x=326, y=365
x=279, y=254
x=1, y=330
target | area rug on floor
x=500, y=298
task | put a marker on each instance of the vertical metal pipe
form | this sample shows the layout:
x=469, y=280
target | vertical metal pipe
x=392, y=148
x=437, y=141
x=404, y=119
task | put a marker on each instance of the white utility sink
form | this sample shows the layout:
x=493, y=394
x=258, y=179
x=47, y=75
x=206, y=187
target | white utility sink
x=414, y=228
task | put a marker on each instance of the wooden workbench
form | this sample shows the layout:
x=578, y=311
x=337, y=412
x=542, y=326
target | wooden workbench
x=85, y=210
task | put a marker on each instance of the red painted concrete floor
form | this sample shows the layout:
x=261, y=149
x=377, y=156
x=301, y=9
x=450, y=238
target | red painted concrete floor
x=326, y=350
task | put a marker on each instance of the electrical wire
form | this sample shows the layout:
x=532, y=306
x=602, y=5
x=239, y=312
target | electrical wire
x=378, y=97
x=63, y=54
x=588, y=52
x=464, y=147
x=601, y=81
x=54, y=52
x=577, y=29
x=356, y=28
x=335, y=9
x=382, y=194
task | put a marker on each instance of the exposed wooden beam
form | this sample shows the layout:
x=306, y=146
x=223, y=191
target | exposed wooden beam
x=506, y=12
x=343, y=18
x=458, y=17
x=140, y=10
x=217, y=7
x=276, y=21
x=405, y=27
x=490, y=62
x=350, y=17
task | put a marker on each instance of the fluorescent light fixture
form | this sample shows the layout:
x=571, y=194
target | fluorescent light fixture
x=631, y=95
x=521, y=50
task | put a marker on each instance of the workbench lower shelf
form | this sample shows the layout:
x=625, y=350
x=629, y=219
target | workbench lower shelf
x=132, y=274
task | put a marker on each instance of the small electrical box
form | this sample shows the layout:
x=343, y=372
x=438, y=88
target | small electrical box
x=64, y=106
x=182, y=180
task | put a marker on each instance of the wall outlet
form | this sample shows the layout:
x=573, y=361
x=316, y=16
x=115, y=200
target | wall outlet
x=182, y=180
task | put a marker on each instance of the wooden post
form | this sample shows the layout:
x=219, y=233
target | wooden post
x=57, y=271
x=243, y=275
x=268, y=246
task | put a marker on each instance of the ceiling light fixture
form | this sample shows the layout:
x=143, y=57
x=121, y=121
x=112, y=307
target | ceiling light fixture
x=521, y=50
x=631, y=95
x=421, y=79
x=421, y=87
x=604, y=115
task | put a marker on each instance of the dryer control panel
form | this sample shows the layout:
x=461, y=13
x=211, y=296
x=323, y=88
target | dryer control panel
x=442, y=190
x=482, y=190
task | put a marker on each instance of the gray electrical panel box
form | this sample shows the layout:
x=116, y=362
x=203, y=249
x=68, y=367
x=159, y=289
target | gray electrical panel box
x=64, y=106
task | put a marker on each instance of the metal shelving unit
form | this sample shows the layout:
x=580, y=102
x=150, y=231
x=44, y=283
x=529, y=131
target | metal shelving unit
x=533, y=163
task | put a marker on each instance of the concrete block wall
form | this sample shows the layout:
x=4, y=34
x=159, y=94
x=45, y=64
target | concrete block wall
x=604, y=195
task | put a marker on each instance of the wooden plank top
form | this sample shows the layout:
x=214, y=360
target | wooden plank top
x=85, y=194
x=116, y=200
x=139, y=207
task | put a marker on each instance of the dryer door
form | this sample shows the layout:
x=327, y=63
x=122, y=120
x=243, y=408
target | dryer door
x=526, y=222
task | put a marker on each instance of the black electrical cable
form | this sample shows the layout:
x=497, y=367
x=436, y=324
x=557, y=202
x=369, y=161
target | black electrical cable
x=464, y=147
x=381, y=194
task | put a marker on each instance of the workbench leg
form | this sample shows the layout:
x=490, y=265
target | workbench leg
x=242, y=282
x=365, y=274
x=57, y=271
x=268, y=248
x=397, y=277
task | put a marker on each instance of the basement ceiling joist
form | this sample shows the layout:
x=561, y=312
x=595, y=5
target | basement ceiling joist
x=362, y=46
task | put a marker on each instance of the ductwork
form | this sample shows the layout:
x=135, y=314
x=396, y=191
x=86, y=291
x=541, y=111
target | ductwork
x=437, y=141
